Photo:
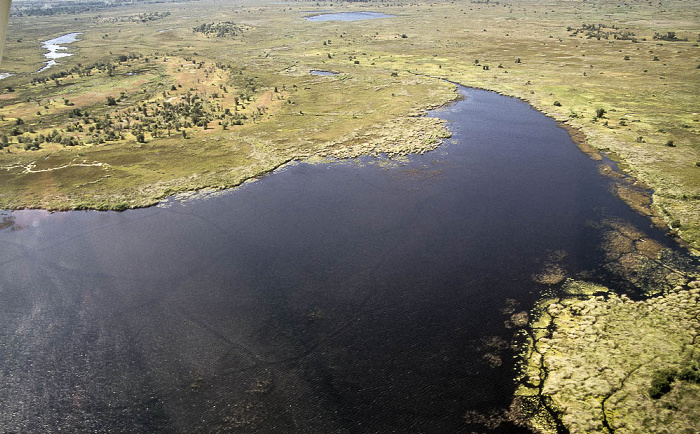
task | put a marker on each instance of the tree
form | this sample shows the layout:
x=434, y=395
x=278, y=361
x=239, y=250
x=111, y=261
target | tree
x=111, y=100
x=600, y=112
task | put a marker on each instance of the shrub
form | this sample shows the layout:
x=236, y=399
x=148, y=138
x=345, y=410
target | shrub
x=600, y=112
x=557, y=103
x=670, y=144
x=661, y=383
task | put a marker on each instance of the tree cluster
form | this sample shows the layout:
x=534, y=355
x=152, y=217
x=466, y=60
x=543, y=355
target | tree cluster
x=219, y=30
x=43, y=8
x=136, y=18
x=601, y=31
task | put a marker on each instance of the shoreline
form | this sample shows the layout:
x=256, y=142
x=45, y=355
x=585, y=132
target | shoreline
x=642, y=204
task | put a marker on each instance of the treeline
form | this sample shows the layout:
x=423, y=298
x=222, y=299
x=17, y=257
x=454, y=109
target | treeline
x=138, y=18
x=87, y=70
x=45, y=8
x=601, y=31
x=668, y=36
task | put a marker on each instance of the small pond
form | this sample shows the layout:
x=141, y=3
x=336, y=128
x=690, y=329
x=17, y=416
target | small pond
x=56, y=48
x=364, y=296
x=349, y=16
x=322, y=73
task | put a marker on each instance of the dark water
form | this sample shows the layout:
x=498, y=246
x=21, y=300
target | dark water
x=348, y=16
x=353, y=297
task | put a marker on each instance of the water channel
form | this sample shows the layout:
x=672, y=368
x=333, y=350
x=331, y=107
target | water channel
x=348, y=16
x=56, y=48
x=361, y=296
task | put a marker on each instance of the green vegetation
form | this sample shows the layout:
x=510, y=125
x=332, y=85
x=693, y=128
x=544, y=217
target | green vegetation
x=611, y=364
x=219, y=30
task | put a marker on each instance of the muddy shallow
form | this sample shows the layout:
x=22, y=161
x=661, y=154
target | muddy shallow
x=363, y=296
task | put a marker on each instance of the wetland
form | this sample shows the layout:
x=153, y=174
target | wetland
x=342, y=296
x=352, y=252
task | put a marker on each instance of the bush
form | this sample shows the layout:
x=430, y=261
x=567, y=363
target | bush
x=557, y=103
x=600, y=112
x=661, y=383
x=690, y=373
x=670, y=144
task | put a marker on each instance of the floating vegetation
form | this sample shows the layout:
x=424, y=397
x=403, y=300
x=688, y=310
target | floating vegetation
x=612, y=364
